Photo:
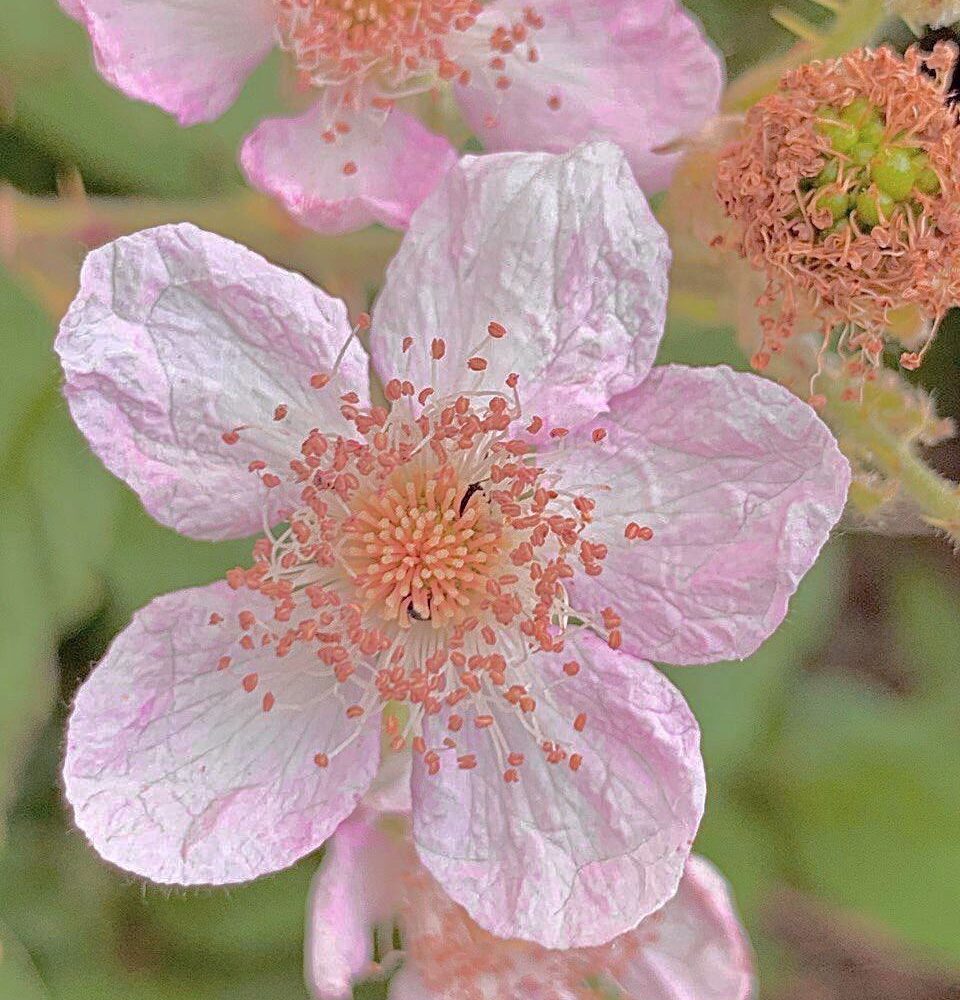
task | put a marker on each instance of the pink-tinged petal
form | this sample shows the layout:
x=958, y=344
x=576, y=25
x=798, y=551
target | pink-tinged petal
x=449, y=957
x=356, y=888
x=376, y=172
x=567, y=857
x=740, y=482
x=189, y=57
x=390, y=791
x=408, y=984
x=190, y=771
x=178, y=336
x=73, y=8
x=641, y=74
x=694, y=948
x=562, y=251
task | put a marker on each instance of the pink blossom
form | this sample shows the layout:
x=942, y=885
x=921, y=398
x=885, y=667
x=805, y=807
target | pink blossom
x=525, y=76
x=693, y=948
x=494, y=550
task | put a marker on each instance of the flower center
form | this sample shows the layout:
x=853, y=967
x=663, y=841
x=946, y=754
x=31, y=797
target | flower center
x=427, y=560
x=366, y=54
x=427, y=547
x=340, y=41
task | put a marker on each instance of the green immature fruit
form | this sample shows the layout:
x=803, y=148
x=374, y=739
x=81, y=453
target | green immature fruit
x=838, y=228
x=828, y=175
x=837, y=203
x=894, y=172
x=928, y=182
x=843, y=135
x=873, y=132
x=858, y=112
x=871, y=205
x=878, y=171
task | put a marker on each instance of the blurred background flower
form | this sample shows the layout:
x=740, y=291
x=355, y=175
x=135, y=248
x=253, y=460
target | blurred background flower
x=832, y=753
x=370, y=880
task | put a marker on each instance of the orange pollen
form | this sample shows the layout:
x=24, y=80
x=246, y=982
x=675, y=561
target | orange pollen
x=425, y=560
x=424, y=549
x=339, y=41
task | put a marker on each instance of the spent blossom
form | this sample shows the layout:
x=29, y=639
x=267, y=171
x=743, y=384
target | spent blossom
x=845, y=191
x=543, y=75
x=371, y=886
x=489, y=553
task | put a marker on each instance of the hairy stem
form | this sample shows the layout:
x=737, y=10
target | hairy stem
x=863, y=433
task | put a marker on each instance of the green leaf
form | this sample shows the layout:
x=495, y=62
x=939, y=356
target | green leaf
x=62, y=104
x=77, y=503
x=736, y=839
x=736, y=703
x=870, y=781
x=257, y=922
x=55, y=516
x=743, y=31
x=98, y=933
x=690, y=343
x=19, y=980
x=928, y=633
x=740, y=838
x=28, y=375
x=371, y=991
x=56, y=893
x=67, y=498
x=27, y=667
x=873, y=799
x=148, y=560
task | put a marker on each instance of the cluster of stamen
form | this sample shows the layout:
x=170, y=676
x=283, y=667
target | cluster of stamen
x=372, y=52
x=342, y=41
x=427, y=562
x=845, y=188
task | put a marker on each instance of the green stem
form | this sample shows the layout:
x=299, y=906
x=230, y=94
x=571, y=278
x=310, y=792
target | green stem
x=855, y=23
x=857, y=429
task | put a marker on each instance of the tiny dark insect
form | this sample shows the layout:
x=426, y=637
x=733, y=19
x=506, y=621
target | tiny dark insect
x=471, y=489
x=411, y=610
x=415, y=615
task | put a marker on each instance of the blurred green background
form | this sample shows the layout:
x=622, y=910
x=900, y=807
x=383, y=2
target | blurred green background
x=833, y=754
